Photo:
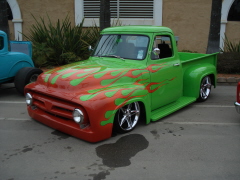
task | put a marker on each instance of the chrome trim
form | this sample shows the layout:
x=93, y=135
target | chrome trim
x=177, y=64
x=237, y=106
x=29, y=99
x=129, y=116
x=205, y=88
x=78, y=116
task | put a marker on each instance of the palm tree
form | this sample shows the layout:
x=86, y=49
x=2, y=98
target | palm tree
x=4, y=16
x=214, y=32
x=105, y=14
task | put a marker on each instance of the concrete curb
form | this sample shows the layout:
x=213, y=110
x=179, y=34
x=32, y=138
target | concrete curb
x=229, y=80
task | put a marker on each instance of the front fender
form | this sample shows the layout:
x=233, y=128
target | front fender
x=102, y=106
x=21, y=60
x=192, y=78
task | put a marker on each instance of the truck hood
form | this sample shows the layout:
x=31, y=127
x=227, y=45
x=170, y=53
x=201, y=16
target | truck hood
x=90, y=76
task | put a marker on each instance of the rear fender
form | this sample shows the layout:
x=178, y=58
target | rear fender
x=192, y=78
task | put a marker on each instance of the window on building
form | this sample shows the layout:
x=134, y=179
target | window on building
x=234, y=12
x=121, y=8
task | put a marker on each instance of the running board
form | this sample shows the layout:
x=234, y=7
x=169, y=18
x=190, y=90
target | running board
x=172, y=107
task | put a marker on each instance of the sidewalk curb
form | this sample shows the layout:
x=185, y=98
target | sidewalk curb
x=231, y=80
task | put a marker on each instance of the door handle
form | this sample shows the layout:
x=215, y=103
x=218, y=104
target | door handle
x=177, y=64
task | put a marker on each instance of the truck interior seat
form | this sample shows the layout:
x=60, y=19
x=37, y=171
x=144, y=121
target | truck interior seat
x=126, y=50
x=165, y=51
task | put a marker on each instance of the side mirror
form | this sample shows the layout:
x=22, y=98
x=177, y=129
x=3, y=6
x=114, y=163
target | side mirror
x=90, y=48
x=156, y=51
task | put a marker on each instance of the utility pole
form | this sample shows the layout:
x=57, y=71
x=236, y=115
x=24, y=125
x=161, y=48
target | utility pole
x=215, y=24
x=4, y=17
x=105, y=14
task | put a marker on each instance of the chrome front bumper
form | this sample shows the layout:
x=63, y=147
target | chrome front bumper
x=237, y=106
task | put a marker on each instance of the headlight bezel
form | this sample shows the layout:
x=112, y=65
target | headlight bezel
x=29, y=99
x=78, y=116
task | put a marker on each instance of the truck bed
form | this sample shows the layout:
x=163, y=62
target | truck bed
x=197, y=57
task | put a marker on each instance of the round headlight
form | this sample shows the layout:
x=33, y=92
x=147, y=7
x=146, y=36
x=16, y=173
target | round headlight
x=78, y=116
x=29, y=99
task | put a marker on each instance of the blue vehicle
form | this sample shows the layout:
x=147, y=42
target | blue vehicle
x=16, y=67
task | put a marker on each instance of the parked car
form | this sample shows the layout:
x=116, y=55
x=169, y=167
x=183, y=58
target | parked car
x=134, y=72
x=237, y=103
x=16, y=67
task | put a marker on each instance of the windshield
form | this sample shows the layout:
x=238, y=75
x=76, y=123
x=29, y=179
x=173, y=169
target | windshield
x=122, y=46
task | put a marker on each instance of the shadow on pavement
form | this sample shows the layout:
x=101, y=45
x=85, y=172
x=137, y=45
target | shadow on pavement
x=8, y=92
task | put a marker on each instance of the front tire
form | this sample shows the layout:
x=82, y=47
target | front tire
x=25, y=76
x=205, y=89
x=127, y=118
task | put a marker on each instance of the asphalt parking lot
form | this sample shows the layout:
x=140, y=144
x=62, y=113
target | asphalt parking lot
x=200, y=141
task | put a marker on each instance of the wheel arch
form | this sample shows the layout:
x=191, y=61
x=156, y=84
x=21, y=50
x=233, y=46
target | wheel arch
x=119, y=114
x=193, y=76
x=144, y=108
x=19, y=65
x=23, y=76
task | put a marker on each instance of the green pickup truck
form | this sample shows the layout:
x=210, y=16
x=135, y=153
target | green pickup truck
x=134, y=73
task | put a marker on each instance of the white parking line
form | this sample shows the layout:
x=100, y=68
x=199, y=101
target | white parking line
x=207, y=106
x=200, y=106
x=14, y=119
x=165, y=123
x=203, y=123
x=213, y=106
x=12, y=102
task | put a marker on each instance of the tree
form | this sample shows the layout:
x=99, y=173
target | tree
x=105, y=14
x=215, y=24
x=4, y=17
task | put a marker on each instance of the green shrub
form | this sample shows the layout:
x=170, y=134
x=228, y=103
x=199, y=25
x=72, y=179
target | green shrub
x=229, y=59
x=189, y=51
x=231, y=46
x=60, y=43
x=229, y=63
x=41, y=54
x=69, y=57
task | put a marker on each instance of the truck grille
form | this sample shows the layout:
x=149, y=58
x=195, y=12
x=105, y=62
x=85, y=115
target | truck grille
x=57, y=107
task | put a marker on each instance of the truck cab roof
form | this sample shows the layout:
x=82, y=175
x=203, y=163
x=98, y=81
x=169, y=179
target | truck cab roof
x=143, y=29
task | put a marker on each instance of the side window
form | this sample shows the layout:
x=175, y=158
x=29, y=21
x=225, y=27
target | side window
x=1, y=42
x=163, y=43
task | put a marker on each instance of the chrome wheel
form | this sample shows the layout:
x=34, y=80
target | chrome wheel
x=205, y=88
x=127, y=117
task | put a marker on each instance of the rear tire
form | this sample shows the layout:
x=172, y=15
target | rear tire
x=25, y=76
x=205, y=89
